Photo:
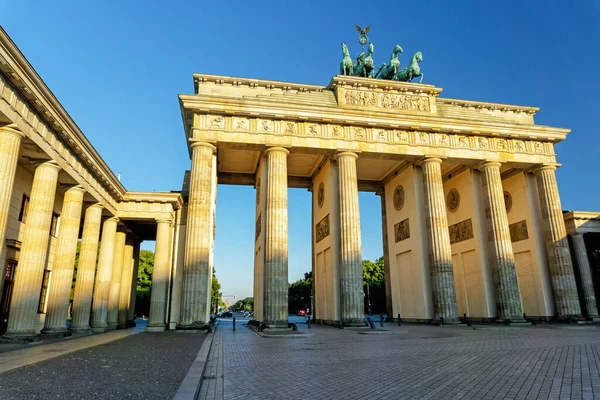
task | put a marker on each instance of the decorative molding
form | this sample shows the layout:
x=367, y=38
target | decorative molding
x=323, y=228
x=461, y=231
x=321, y=195
x=257, y=228
x=453, y=200
x=518, y=231
x=507, y=201
x=369, y=99
x=399, y=197
x=402, y=230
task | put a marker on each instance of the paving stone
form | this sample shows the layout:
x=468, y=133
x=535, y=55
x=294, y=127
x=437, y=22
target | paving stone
x=142, y=366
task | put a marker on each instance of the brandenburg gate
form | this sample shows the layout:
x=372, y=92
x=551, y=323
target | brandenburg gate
x=471, y=214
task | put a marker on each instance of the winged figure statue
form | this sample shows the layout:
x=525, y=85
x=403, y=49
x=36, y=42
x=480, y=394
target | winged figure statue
x=363, y=39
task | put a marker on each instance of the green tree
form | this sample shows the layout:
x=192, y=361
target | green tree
x=299, y=294
x=246, y=304
x=215, y=294
x=144, y=282
x=374, y=285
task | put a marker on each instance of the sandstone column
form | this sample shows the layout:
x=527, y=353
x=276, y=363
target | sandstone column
x=133, y=291
x=585, y=272
x=160, y=277
x=126, y=277
x=64, y=262
x=197, y=271
x=114, y=293
x=34, y=249
x=440, y=253
x=103, y=275
x=508, y=296
x=10, y=141
x=350, y=261
x=386, y=257
x=86, y=270
x=275, y=307
x=557, y=245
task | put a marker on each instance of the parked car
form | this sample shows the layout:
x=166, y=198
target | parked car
x=227, y=314
x=302, y=313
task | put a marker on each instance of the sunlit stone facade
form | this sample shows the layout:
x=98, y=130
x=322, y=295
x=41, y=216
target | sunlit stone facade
x=472, y=220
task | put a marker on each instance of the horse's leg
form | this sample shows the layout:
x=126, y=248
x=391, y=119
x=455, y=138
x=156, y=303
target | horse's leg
x=421, y=80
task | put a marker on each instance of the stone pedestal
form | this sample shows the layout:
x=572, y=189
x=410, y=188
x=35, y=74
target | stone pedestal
x=10, y=142
x=275, y=314
x=133, y=289
x=555, y=234
x=350, y=264
x=508, y=297
x=160, y=277
x=64, y=263
x=197, y=270
x=585, y=272
x=126, y=277
x=103, y=276
x=86, y=270
x=440, y=252
x=114, y=294
x=34, y=249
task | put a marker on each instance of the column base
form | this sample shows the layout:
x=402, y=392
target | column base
x=80, y=331
x=354, y=323
x=112, y=327
x=130, y=324
x=24, y=336
x=122, y=326
x=155, y=328
x=55, y=332
x=99, y=329
x=193, y=326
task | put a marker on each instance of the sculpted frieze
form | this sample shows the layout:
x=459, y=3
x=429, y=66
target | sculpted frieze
x=461, y=231
x=386, y=100
x=402, y=231
x=322, y=229
x=373, y=135
x=518, y=231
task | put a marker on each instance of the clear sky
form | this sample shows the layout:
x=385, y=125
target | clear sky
x=117, y=67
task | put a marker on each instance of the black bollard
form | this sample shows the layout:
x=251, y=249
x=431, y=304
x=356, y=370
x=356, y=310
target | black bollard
x=381, y=320
x=441, y=321
x=399, y=320
x=234, y=324
x=309, y=322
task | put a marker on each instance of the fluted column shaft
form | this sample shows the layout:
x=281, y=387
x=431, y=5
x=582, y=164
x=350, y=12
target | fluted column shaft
x=276, y=240
x=103, y=275
x=126, y=277
x=562, y=276
x=197, y=269
x=10, y=143
x=585, y=272
x=133, y=291
x=34, y=249
x=160, y=276
x=440, y=251
x=64, y=262
x=114, y=293
x=86, y=270
x=508, y=297
x=350, y=257
x=386, y=257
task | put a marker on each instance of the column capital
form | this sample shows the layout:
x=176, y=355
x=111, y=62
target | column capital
x=545, y=167
x=277, y=149
x=98, y=205
x=12, y=129
x=345, y=153
x=380, y=191
x=429, y=160
x=164, y=221
x=577, y=234
x=113, y=219
x=76, y=188
x=488, y=164
x=49, y=164
x=194, y=144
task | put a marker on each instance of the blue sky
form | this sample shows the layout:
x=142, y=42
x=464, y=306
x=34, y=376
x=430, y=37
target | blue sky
x=117, y=67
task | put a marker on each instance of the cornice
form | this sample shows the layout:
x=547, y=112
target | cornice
x=383, y=85
x=254, y=108
x=581, y=215
x=489, y=106
x=252, y=83
x=22, y=75
x=174, y=198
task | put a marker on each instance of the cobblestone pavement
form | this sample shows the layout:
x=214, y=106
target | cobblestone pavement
x=143, y=366
x=418, y=362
